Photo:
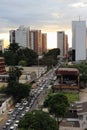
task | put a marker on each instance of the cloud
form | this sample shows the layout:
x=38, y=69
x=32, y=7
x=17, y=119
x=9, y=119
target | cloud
x=79, y=5
x=42, y=14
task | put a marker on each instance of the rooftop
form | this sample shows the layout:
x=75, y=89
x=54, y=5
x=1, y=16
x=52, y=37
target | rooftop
x=68, y=71
x=81, y=107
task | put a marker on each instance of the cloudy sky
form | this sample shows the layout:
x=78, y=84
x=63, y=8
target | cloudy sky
x=47, y=15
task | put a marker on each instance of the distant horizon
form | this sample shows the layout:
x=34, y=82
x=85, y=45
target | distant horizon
x=51, y=39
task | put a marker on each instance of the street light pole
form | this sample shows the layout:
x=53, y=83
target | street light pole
x=38, y=66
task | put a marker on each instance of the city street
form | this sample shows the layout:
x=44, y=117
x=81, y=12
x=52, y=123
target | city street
x=35, y=101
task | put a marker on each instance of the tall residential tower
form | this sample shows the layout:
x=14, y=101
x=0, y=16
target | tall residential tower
x=33, y=39
x=62, y=43
x=78, y=40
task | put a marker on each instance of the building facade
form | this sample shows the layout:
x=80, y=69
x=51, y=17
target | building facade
x=44, y=42
x=2, y=45
x=2, y=66
x=12, y=36
x=33, y=39
x=79, y=40
x=62, y=43
x=20, y=36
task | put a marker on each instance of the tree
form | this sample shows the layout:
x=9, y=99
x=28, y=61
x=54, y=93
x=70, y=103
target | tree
x=14, y=73
x=27, y=55
x=22, y=63
x=53, y=52
x=15, y=54
x=17, y=90
x=50, y=58
x=38, y=120
x=10, y=58
x=14, y=47
x=57, y=105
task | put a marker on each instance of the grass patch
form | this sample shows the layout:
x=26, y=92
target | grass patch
x=72, y=97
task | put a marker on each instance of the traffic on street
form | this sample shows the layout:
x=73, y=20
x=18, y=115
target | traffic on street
x=33, y=102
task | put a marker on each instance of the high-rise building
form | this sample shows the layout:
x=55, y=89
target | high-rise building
x=66, y=47
x=12, y=36
x=32, y=39
x=36, y=41
x=44, y=42
x=2, y=45
x=20, y=36
x=79, y=40
x=62, y=43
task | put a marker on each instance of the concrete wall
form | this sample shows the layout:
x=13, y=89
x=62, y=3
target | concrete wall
x=6, y=104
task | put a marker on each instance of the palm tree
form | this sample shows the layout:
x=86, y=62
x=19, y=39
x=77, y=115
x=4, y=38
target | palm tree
x=14, y=73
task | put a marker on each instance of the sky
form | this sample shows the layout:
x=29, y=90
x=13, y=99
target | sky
x=48, y=15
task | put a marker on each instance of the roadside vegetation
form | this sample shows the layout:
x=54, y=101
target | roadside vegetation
x=16, y=55
x=58, y=105
x=37, y=120
x=72, y=96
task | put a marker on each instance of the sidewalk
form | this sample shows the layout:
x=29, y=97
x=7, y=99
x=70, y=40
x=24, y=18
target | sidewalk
x=83, y=95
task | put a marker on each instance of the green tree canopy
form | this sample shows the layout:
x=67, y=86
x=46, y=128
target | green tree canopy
x=15, y=54
x=53, y=52
x=37, y=120
x=14, y=47
x=18, y=90
x=57, y=104
x=10, y=57
x=50, y=58
x=27, y=55
x=22, y=63
x=14, y=73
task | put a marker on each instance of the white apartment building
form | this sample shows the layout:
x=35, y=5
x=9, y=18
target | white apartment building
x=79, y=40
x=22, y=36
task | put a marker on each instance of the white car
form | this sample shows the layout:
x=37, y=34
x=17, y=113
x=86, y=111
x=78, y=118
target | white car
x=8, y=122
x=12, y=128
x=21, y=108
x=17, y=105
x=25, y=102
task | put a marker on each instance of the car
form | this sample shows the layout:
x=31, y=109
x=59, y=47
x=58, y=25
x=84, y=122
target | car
x=17, y=121
x=13, y=117
x=4, y=127
x=25, y=102
x=8, y=122
x=20, y=108
x=17, y=105
x=27, y=109
x=22, y=115
x=12, y=128
x=10, y=111
x=15, y=125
